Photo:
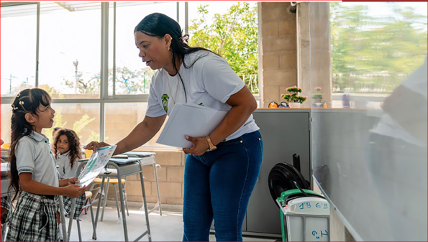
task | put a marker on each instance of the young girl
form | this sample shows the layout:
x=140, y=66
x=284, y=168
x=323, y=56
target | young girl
x=33, y=175
x=66, y=148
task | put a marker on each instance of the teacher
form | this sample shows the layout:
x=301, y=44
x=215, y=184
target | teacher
x=220, y=169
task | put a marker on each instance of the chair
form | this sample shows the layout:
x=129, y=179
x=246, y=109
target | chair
x=114, y=182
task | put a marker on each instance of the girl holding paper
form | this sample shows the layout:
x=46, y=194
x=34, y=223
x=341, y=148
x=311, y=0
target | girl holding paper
x=222, y=168
x=32, y=170
x=67, y=153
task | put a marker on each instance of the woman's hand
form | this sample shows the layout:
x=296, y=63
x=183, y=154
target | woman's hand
x=72, y=180
x=94, y=145
x=73, y=191
x=200, y=145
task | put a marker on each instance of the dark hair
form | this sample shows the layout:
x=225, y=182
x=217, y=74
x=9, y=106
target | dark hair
x=74, y=143
x=158, y=25
x=27, y=101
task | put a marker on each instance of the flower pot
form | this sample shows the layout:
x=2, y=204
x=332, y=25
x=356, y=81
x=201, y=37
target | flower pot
x=294, y=105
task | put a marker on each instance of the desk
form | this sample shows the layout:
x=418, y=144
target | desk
x=126, y=167
x=4, y=193
x=148, y=158
x=4, y=179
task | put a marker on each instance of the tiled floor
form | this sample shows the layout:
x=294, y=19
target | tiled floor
x=168, y=227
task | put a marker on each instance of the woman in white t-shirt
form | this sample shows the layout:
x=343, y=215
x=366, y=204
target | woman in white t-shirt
x=221, y=169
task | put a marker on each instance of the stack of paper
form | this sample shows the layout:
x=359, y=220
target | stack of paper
x=192, y=120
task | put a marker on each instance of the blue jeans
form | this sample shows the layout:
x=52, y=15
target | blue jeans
x=218, y=185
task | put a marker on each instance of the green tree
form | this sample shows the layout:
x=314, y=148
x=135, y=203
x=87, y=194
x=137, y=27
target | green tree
x=132, y=81
x=86, y=86
x=233, y=35
x=374, y=52
x=127, y=81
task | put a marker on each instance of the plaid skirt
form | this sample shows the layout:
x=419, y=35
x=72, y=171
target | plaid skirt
x=5, y=203
x=34, y=219
x=80, y=202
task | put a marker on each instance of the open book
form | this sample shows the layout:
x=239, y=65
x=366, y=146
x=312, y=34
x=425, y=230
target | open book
x=192, y=120
x=96, y=163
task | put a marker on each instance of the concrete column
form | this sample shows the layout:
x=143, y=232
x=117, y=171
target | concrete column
x=277, y=51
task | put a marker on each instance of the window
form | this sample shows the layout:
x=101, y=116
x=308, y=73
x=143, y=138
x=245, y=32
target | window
x=132, y=77
x=69, y=64
x=18, y=48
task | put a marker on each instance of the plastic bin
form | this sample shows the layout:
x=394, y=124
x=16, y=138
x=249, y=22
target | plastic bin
x=304, y=216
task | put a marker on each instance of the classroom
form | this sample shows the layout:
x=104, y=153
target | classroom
x=197, y=121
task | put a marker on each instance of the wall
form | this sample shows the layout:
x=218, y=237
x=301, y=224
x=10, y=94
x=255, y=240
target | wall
x=278, y=69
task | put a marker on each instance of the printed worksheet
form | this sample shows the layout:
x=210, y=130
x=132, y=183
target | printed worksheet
x=96, y=163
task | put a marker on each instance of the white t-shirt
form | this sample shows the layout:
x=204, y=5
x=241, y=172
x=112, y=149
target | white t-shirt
x=387, y=126
x=64, y=167
x=33, y=155
x=209, y=82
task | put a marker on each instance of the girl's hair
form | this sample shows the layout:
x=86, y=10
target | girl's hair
x=27, y=101
x=74, y=144
x=158, y=25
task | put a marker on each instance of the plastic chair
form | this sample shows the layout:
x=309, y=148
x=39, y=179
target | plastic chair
x=88, y=153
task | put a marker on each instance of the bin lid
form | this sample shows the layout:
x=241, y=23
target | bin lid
x=297, y=192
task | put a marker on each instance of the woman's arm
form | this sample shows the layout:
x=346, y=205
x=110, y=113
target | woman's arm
x=243, y=104
x=29, y=185
x=142, y=133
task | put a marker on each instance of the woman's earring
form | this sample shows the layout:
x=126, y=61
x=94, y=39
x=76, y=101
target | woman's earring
x=169, y=48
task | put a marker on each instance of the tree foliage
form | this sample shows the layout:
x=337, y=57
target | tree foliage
x=132, y=81
x=127, y=81
x=233, y=35
x=372, y=53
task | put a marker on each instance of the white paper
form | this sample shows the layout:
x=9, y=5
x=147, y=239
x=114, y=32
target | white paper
x=192, y=120
x=96, y=163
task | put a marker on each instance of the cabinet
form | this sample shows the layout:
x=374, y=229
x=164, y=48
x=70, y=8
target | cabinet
x=285, y=132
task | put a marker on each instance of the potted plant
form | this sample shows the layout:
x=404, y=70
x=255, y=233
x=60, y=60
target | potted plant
x=292, y=98
x=317, y=97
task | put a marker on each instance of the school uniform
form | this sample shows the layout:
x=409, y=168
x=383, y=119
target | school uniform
x=6, y=205
x=34, y=217
x=66, y=171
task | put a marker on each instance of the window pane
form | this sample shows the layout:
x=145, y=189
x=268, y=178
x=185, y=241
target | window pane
x=116, y=128
x=229, y=29
x=84, y=119
x=6, y=114
x=132, y=76
x=70, y=38
x=18, y=48
x=373, y=51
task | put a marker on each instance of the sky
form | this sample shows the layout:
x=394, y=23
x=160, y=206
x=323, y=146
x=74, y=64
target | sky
x=66, y=37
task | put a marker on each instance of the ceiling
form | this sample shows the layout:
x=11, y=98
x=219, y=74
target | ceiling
x=14, y=9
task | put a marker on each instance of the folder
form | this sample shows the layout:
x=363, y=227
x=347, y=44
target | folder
x=192, y=120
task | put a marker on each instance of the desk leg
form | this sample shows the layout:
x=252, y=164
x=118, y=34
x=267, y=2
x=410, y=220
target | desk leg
x=105, y=196
x=146, y=212
x=94, y=235
x=122, y=207
x=71, y=215
x=61, y=213
x=157, y=187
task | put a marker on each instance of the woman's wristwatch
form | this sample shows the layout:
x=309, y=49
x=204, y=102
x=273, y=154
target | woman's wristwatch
x=210, y=143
